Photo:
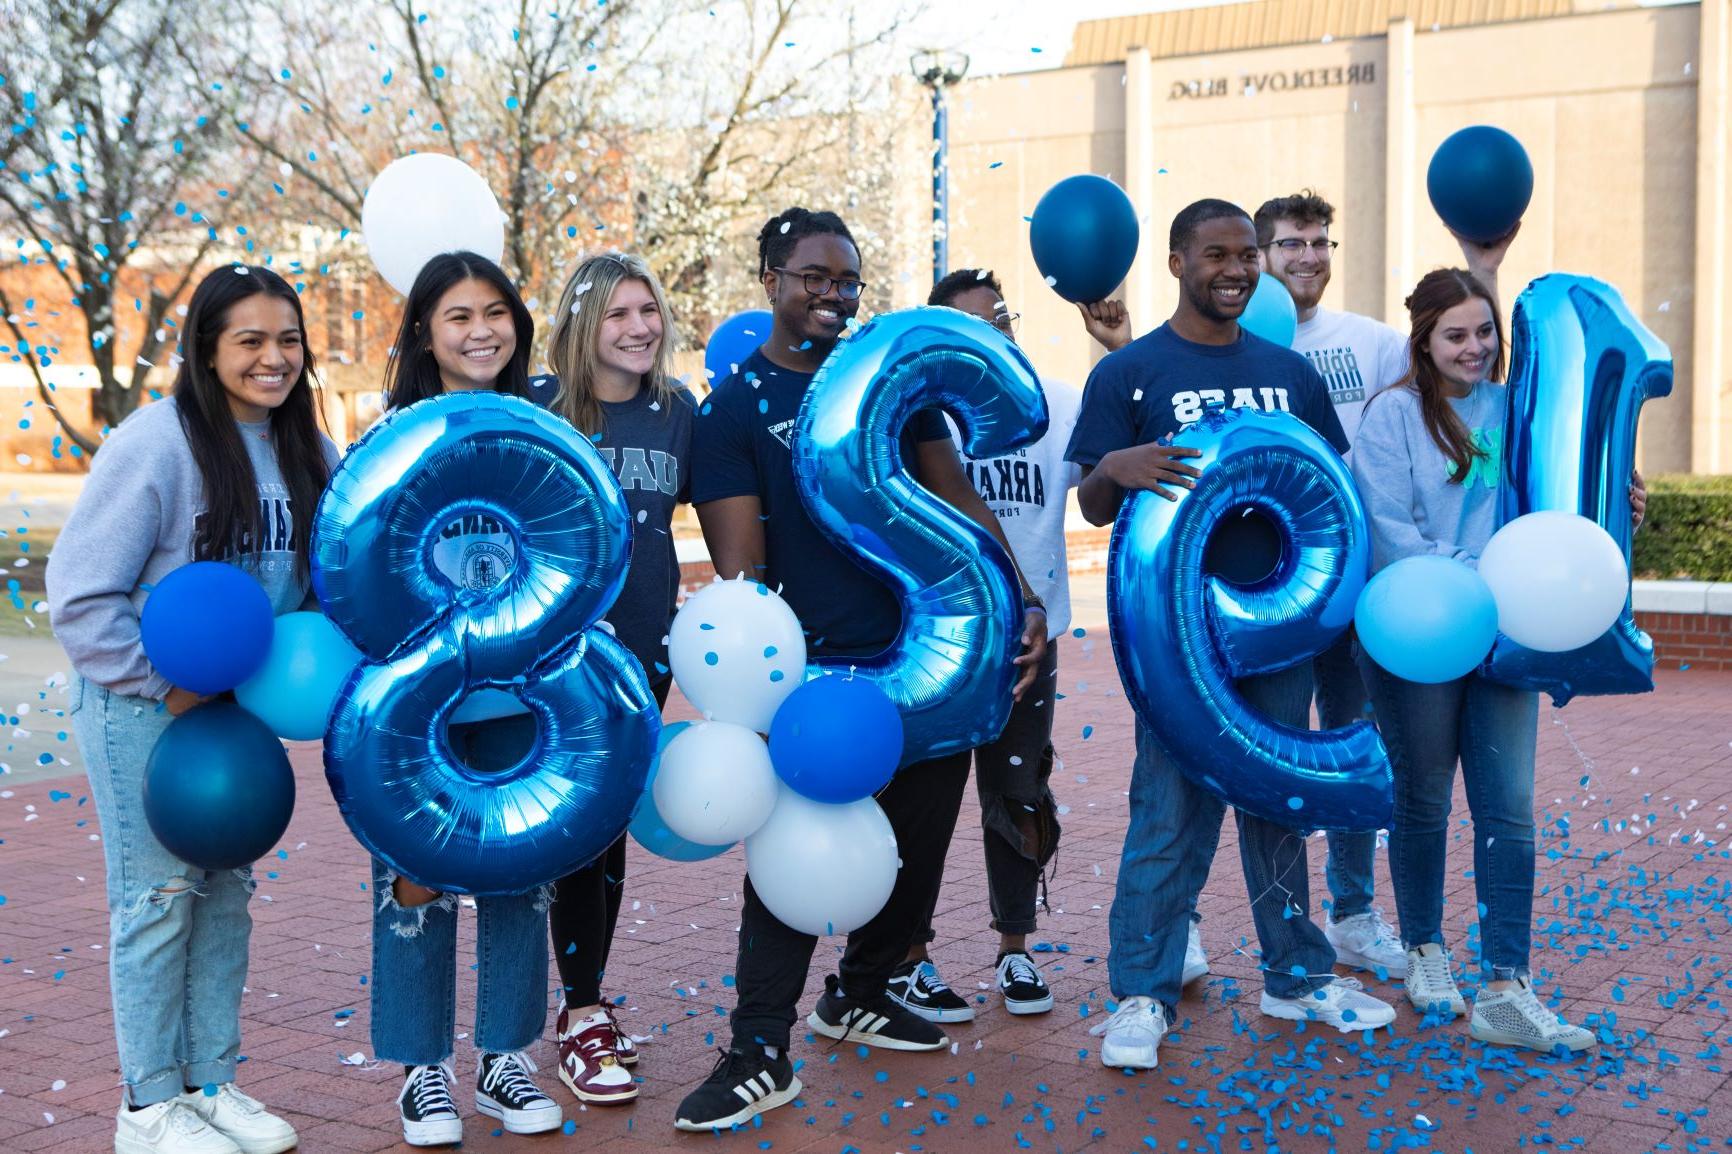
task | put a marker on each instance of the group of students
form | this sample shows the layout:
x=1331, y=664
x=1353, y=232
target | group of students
x=237, y=446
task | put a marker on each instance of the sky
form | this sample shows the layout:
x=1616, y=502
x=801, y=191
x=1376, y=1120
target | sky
x=1021, y=35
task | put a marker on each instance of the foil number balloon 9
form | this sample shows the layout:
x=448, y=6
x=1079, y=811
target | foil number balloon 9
x=949, y=670
x=428, y=644
x=1181, y=636
x=1582, y=367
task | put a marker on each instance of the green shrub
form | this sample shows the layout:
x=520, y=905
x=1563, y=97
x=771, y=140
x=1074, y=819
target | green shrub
x=1688, y=532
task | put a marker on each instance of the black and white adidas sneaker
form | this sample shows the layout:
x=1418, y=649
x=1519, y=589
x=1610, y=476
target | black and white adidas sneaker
x=745, y=1083
x=881, y=1021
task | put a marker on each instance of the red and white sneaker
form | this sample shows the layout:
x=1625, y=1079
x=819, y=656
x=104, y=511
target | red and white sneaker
x=624, y=1049
x=588, y=1062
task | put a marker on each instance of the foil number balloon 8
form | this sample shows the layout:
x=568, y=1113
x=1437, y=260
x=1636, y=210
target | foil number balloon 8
x=1582, y=365
x=949, y=670
x=1181, y=636
x=428, y=644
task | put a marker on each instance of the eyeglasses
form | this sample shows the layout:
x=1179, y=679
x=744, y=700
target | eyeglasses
x=817, y=283
x=1006, y=323
x=1292, y=245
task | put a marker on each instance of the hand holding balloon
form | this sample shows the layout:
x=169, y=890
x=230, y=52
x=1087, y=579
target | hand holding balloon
x=1152, y=467
x=1108, y=322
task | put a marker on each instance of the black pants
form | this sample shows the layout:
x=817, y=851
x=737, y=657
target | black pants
x=922, y=803
x=585, y=910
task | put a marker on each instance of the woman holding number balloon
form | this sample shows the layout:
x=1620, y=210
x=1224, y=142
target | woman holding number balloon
x=1428, y=462
x=464, y=329
x=227, y=469
x=612, y=341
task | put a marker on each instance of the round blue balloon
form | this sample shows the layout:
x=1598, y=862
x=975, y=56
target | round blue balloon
x=1480, y=181
x=294, y=691
x=1427, y=619
x=647, y=827
x=207, y=627
x=1084, y=237
x=1271, y=313
x=733, y=341
x=218, y=790
x=836, y=739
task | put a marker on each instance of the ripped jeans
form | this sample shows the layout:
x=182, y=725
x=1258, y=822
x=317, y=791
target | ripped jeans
x=414, y=987
x=177, y=934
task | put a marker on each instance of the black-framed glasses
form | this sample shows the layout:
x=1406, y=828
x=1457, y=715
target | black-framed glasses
x=1006, y=323
x=817, y=283
x=1293, y=246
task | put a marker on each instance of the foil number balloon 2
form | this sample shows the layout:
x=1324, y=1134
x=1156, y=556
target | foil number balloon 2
x=1582, y=367
x=1182, y=636
x=428, y=644
x=949, y=670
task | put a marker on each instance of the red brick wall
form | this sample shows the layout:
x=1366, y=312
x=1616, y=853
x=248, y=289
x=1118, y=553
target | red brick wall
x=1699, y=640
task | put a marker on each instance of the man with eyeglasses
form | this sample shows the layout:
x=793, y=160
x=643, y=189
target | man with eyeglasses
x=1026, y=490
x=1357, y=358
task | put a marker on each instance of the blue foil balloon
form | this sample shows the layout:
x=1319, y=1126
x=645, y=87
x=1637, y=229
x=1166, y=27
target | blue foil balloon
x=218, y=790
x=1083, y=236
x=733, y=341
x=428, y=645
x=950, y=669
x=1182, y=637
x=647, y=827
x=1271, y=313
x=1581, y=367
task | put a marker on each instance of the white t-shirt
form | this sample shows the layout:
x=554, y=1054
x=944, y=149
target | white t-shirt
x=1357, y=357
x=1026, y=489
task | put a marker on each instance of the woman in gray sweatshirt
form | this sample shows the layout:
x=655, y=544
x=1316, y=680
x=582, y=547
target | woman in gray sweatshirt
x=1428, y=462
x=227, y=469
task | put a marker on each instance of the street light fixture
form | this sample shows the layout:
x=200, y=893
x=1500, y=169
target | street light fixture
x=939, y=70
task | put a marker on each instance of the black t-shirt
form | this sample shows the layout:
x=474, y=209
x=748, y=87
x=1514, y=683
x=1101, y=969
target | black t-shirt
x=742, y=446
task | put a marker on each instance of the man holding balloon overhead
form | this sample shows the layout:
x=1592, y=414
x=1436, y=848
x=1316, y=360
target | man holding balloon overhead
x=1136, y=399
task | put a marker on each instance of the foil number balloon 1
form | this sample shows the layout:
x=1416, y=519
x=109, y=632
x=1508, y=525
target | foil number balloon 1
x=949, y=670
x=1181, y=636
x=428, y=644
x=1582, y=367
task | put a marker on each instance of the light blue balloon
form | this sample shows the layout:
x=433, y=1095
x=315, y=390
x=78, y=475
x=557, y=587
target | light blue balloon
x=1271, y=313
x=1427, y=619
x=647, y=827
x=294, y=691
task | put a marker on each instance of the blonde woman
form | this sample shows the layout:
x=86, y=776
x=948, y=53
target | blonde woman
x=611, y=344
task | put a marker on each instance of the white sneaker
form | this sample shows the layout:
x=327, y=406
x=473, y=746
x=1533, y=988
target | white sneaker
x=1515, y=1017
x=244, y=1119
x=1367, y=942
x=1343, y=1004
x=1431, y=984
x=170, y=1127
x=1196, y=961
x=1133, y=1035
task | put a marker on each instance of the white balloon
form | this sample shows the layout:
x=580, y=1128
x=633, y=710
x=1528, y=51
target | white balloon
x=715, y=784
x=823, y=869
x=1559, y=579
x=736, y=651
x=423, y=205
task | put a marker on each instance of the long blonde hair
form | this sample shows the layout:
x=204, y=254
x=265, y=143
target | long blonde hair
x=571, y=349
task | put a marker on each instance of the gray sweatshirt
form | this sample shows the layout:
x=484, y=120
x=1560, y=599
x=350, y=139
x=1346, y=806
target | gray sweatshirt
x=1404, y=478
x=134, y=523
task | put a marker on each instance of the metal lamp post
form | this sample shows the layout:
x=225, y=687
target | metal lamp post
x=939, y=70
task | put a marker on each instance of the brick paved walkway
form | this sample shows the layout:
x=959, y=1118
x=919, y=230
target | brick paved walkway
x=1631, y=921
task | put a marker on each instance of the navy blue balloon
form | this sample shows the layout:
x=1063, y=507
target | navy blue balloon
x=1582, y=365
x=647, y=827
x=1084, y=237
x=218, y=790
x=1182, y=636
x=1480, y=181
x=207, y=627
x=950, y=668
x=734, y=340
x=428, y=645
x=836, y=739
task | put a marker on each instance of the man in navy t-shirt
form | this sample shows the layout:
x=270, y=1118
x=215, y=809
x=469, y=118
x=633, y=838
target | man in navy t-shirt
x=1135, y=400
x=742, y=484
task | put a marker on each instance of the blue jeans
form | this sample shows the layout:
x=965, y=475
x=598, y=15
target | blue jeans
x=1491, y=729
x=177, y=934
x=1169, y=846
x=414, y=987
x=1341, y=700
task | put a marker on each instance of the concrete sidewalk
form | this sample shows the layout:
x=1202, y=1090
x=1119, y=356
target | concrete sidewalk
x=1631, y=918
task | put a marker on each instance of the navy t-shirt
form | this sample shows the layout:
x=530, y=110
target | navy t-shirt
x=742, y=446
x=1161, y=382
